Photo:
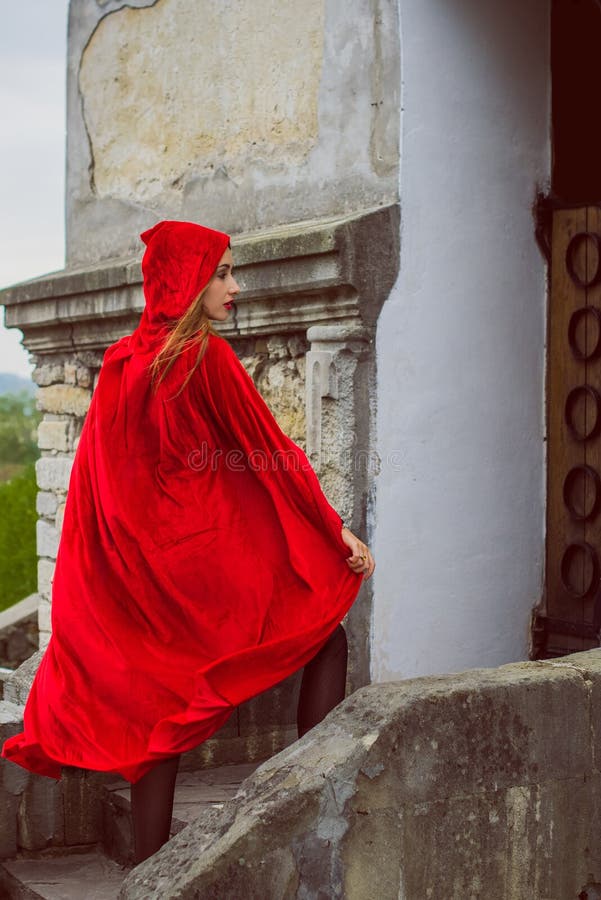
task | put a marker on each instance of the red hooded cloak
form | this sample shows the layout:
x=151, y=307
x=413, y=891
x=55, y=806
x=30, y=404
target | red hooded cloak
x=199, y=563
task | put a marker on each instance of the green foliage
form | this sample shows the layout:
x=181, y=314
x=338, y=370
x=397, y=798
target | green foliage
x=19, y=420
x=18, y=559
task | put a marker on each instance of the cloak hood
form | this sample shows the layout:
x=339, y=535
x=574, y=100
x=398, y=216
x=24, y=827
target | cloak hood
x=179, y=261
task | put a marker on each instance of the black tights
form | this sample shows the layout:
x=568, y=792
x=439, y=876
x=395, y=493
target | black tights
x=152, y=807
x=322, y=688
x=324, y=682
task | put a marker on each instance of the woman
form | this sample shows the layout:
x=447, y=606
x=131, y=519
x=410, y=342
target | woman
x=199, y=561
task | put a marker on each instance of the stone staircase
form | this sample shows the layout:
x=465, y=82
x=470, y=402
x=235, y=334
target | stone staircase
x=73, y=838
x=97, y=871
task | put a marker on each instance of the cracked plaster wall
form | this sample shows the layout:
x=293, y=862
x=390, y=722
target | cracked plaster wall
x=177, y=75
x=242, y=115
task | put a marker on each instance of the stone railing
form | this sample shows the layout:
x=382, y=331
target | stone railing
x=483, y=784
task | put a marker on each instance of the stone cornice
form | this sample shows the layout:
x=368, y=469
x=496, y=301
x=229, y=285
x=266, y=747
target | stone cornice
x=325, y=272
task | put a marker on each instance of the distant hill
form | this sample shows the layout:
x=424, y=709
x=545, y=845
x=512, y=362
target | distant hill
x=11, y=383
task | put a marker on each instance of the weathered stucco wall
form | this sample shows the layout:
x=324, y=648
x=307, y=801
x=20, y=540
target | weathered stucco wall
x=204, y=85
x=459, y=524
x=241, y=115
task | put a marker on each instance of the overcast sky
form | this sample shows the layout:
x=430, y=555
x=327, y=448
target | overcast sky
x=33, y=37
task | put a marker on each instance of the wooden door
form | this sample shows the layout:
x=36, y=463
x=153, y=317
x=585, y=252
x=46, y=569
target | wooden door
x=572, y=609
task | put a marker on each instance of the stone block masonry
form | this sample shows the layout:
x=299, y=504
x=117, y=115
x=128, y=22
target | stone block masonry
x=64, y=394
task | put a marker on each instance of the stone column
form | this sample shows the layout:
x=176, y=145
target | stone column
x=340, y=370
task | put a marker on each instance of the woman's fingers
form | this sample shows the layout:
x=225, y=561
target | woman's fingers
x=370, y=564
x=362, y=561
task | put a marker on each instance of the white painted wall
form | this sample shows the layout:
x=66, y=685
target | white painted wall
x=459, y=522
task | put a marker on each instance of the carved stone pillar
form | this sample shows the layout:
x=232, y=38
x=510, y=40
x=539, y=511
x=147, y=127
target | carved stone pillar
x=339, y=370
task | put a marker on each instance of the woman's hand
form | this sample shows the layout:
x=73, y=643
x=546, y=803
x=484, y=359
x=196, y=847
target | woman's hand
x=361, y=561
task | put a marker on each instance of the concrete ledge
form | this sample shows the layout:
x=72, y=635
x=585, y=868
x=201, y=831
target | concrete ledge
x=17, y=687
x=19, y=631
x=480, y=784
x=19, y=610
x=308, y=273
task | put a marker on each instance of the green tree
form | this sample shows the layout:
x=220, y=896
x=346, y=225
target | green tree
x=18, y=555
x=19, y=420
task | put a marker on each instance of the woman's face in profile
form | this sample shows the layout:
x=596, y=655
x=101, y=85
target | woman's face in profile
x=222, y=289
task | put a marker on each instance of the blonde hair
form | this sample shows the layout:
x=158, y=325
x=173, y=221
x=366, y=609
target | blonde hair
x=191, y=330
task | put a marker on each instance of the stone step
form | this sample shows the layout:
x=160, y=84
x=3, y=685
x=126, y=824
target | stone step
x=97, y=872
x=194, y=791
x=62, y=875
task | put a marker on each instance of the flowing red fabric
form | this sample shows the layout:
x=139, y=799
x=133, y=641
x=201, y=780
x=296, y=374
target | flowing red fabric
x=200, y=562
